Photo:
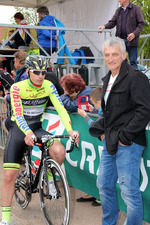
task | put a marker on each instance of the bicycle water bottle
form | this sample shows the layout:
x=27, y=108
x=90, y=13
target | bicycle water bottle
x=35, y=166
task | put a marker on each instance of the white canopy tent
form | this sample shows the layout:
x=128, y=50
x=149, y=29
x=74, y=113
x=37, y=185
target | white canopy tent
x=28, y=3
x=85, y=14
x=82, y=14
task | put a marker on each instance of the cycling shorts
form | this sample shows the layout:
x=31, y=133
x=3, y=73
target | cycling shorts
x=15, y=144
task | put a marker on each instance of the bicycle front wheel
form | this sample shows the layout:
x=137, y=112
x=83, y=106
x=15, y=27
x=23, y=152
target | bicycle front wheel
x=56, y=211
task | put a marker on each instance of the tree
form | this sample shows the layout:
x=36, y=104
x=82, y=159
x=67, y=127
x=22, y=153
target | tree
x=31, y=17
x=145, y=8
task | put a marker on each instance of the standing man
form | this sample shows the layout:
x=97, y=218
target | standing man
x=46, y=38
x=129, y=22
x=126, y=112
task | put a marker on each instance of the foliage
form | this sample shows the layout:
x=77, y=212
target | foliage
x=30, y=15
x=31, y=18
x=145, y=8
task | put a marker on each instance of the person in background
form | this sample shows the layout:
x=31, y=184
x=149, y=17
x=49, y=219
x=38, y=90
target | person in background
x=129, y=22
x=20, y=72
x=46, y=38
x=51, y=76
x=21, y=38
x=126, y=112
x=74, y=86
x=6, y=63
x=11, y=42
x=95, y=98
x=6, y=80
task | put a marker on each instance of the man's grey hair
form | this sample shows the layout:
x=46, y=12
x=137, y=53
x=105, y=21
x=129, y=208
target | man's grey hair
x=113, y=41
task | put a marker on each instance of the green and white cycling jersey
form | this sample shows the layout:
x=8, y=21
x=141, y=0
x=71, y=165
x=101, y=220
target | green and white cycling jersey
x=29, y=102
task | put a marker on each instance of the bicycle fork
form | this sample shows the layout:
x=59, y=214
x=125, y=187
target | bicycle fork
x=46, y=167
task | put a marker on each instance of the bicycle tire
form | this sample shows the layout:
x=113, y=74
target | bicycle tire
x=55, y=211
x=22, y=189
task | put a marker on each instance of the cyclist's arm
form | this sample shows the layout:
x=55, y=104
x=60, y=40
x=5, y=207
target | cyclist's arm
x=17, y=107
x=56, y=100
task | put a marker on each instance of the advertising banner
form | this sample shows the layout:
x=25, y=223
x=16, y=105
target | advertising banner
x=81, y=166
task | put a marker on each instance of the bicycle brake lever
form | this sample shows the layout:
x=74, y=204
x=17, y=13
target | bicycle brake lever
x=75, y=135
x=72, y=143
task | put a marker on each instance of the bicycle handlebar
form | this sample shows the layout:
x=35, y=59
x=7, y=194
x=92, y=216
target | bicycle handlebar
x=46, y=138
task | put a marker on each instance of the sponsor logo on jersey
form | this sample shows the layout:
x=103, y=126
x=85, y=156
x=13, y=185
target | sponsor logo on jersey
x=22, y=123
x=56, y=93
x=30, y=102
x=16, y=100
x=35, y=95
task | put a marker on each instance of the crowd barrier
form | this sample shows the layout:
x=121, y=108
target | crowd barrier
x=5, y=112
x=81, y=166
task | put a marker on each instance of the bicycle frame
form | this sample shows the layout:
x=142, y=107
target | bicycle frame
x=33, y=181
x=27, y=182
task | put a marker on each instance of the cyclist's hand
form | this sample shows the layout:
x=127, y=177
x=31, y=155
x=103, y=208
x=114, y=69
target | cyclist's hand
x=72, y=134
x=29, y=140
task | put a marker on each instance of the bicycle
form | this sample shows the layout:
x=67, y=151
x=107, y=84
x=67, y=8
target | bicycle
x=55, y=209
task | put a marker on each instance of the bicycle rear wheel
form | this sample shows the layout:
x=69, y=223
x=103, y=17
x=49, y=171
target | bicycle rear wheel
x=56, y=211
x=22, y=189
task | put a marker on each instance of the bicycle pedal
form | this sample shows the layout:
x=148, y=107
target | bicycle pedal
x=35, y=190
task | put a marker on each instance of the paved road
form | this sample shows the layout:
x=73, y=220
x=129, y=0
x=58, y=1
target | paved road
x=81, y=213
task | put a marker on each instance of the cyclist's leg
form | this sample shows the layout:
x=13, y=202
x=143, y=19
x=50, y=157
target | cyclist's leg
x=12, y=158
x=56, y=150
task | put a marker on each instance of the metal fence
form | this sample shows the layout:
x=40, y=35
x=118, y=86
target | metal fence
x=72, y=32
x=5, y=112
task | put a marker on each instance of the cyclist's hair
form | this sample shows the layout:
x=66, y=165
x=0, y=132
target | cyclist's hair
x=19, y=15
x=113, y=41
x=96, y=94
x=72, y=82
x=43, y=10
x=36, y=62
x=21, y=56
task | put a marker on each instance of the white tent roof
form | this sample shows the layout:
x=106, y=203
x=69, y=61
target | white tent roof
x=28, y=3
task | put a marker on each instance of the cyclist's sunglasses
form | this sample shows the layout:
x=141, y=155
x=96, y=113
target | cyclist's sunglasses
x=38, y=72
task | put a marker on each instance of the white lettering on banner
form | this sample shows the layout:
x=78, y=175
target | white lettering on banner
x=144, y=175
x=84, y=157
x=72, y=163
x=90, y=158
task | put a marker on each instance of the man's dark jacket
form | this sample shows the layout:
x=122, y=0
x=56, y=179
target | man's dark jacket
x=134, y=22
x=127, y=111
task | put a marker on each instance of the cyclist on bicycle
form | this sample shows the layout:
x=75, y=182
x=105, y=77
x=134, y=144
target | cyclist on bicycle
x=28, y=100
